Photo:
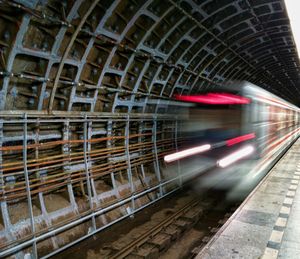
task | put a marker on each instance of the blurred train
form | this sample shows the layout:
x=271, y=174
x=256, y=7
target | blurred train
x=236, y=122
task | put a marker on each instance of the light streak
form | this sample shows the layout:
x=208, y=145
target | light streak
x=187, y=152
x=235, y=156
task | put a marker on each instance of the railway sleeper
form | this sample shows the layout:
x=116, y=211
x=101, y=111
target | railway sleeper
x=193, y=215
x=173, y=231
x=146, y=251
x=183, y=224
x=162, y=241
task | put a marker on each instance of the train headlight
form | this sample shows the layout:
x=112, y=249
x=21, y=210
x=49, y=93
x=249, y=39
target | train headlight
x=235, y=156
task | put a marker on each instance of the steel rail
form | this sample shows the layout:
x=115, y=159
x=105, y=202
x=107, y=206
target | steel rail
x=95, y=158
x=77, y=116
x=143, y=238
x=87, y=217
x=73, y=158
x=96, y=153
x=71, y=218
x=77, y=141
x=66, y=176
x=102, y=168
x=75, y=177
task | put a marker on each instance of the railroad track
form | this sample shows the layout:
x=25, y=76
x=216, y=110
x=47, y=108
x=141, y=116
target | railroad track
x=160, y=237
x=155, y=239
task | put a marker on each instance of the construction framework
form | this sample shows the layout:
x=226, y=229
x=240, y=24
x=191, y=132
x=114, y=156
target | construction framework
x=84, y=85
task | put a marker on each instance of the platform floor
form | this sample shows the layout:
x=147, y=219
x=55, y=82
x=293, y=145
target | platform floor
x=267, y=224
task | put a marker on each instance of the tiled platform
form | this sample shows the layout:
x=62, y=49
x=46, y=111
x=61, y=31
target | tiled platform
x=267, y=224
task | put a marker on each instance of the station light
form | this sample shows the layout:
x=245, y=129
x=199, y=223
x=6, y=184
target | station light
x=235, y=156
x=233, y=141
x=214, y=98
x=186, y=153
x=293, y=7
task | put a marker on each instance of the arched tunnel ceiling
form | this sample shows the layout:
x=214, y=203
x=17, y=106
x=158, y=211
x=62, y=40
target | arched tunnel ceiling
x=117, y=55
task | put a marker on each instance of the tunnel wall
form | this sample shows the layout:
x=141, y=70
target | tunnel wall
x=84, y=88
x=66, y=178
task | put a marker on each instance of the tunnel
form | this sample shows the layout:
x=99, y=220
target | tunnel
x=87, y=103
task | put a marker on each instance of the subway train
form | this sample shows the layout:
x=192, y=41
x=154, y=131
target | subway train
x=237, y=121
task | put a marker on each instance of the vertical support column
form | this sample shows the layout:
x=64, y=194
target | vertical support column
x=157, y=167
x=88, y=182
x=140, y=139
x=129, y=172
x=40, y=175
x=3, y=203
x=89, y=163
x=176, y=146
x=143, y=173
x=109, y=145
x=89, y=149
x=28, y=184
x=66, y=151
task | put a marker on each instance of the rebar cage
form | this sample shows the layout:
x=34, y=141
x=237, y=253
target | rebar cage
x=63, y=179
